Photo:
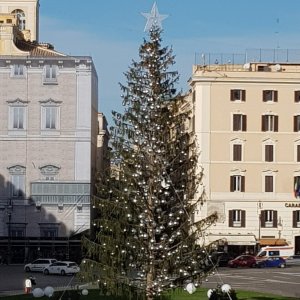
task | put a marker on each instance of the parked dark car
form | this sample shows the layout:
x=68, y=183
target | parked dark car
x=242, y=261
x=276, y=262
x=221, y=259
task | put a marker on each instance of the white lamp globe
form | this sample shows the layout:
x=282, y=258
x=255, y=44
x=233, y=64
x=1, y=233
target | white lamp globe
x=37, y=293
x=190, y=288
x=225, y=288
x=48, y=291
x=84, y=292
x=209, y=292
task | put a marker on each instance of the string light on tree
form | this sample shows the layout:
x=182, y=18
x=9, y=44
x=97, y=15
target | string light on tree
x=143, y=210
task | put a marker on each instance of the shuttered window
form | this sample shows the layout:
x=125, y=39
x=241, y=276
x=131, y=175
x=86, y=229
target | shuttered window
x=268, y=218
x=237, y=95
x=237, y=152
x=269, y=123
x=237, y=218
x=269, y=184
x=269, y=153
x=239, y=122
x=296, y=123
x=296, y=218
x=237, y=183
x=297, y=96
x=270, y=96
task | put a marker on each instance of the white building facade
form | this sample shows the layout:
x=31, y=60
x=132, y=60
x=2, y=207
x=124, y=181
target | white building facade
x=247, y=123
x=49, y=132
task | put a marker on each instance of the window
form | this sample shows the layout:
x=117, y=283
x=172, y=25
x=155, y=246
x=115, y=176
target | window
x=297, y=186
x=269, y=184
x=296, y=123
x=237, y=218
x=17, y=229
x=237, y=95
x=269, y=123
x=270, y=96
x=237, y=152
x=49, y=230
x=18, y=71
x=237, y=183
x=50, y=74
x=239, y=122
x=50, y=117
x=50, y=111
x=268, y=218
x=269, y=153
x=298, y=153
x=296, y=218
x=17, y=178
x=17, y=115
x=297, y=96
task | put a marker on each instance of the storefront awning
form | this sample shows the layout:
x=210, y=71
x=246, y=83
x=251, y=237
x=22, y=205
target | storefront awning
x=239, y=240
x=272, y=242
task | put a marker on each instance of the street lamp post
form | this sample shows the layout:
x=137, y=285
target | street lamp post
x=9, y=213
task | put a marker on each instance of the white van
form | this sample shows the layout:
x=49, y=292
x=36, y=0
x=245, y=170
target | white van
x=269, y=251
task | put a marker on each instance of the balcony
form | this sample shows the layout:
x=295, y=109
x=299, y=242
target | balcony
x=46, y=192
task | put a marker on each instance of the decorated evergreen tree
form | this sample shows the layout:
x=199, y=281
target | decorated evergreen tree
x=145, y=235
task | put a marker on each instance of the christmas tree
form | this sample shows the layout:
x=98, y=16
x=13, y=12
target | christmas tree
x=146, y=240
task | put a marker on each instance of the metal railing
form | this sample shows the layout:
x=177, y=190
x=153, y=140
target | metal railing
x=277, y=55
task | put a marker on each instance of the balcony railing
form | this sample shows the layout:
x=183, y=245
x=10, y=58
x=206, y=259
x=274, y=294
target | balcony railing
x=277, y=55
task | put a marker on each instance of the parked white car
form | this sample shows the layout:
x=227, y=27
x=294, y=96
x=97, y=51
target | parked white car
x=62, y=268
x=39, y=265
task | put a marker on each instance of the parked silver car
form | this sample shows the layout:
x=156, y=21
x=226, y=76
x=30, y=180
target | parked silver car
x=62, y=268
x=39, y=265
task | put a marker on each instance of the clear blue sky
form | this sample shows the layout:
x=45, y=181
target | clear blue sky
x=111, y=31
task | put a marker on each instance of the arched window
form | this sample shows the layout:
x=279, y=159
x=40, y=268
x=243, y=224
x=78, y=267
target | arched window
x=21, y=16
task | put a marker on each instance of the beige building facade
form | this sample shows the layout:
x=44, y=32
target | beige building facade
x=49, y=139
x=247, y=123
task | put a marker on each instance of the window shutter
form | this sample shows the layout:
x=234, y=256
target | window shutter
x=263, y=123
x=298, y=153
x=275, y=96
x=231, y=95
x=295, y=219
x=242, y=183
x=264, y=96
x=269, y=184
x=276, y=123
x=237, y=152
x=297, y=96
x=275, y=218
x=231, y=183
x=269, y=153
x=235, y=122
x=263, y=218
x=230, y=220
x=295, y=124
x=244, y=118
x=243, y=221
x=243, y=95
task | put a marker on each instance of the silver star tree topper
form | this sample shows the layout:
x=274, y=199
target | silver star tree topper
x=153, y=18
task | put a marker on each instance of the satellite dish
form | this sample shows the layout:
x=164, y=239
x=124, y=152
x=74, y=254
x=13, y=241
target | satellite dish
x=246, y=66
x=277, y=67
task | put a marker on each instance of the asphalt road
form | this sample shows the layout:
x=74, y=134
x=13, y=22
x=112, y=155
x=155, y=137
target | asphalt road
x=12, y=279
x=277, y=281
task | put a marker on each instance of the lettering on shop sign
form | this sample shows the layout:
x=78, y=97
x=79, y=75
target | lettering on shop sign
x=292, y=204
